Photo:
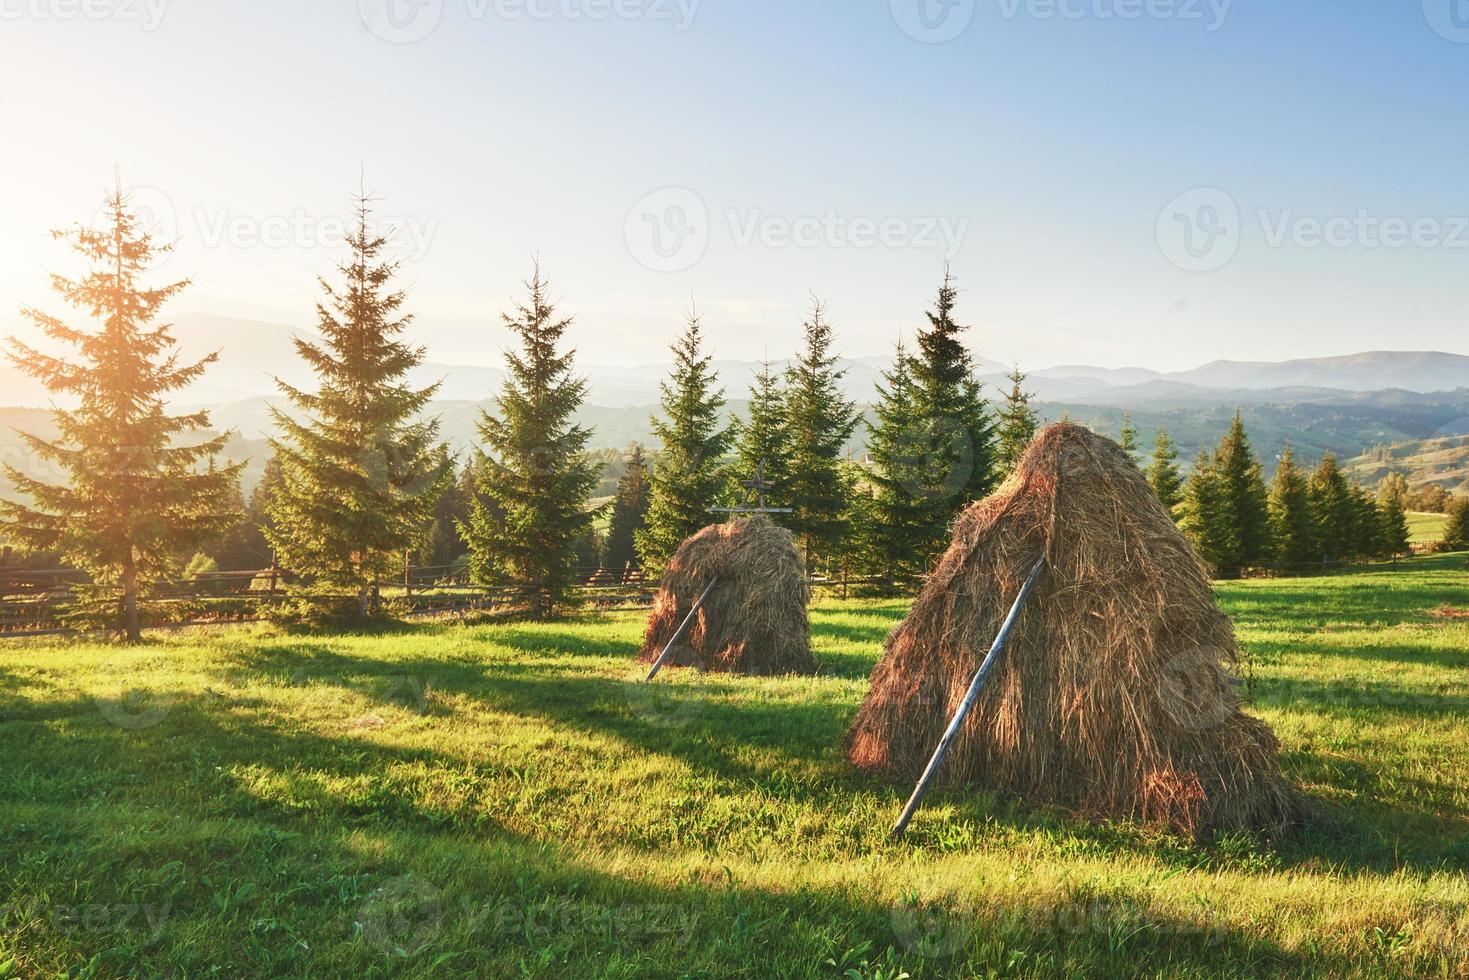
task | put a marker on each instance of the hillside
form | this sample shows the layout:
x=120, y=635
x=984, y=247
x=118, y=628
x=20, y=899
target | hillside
x=1443, y=461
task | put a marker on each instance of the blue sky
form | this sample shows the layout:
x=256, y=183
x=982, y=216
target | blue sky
x=1112, y=181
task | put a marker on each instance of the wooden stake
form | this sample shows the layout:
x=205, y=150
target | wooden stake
x=964, y=707
x=658, y=664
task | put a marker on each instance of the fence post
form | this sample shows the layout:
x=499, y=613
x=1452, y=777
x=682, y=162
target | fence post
x=407, y=573
x=275, y=573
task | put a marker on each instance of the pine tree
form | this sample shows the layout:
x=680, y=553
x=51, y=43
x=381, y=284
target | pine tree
x=819, y=423
x=440, y=545
x=1291, y=529
x=1392, y=499
x=1204, y=517
x=1332, y=510
x=1127, y=438
x=687, y=479
x=1017, y=423
x=1456, y=531
x=629, y=511
x=361, y=471
x=1245, y=498
x=143, y=489
x=899, y=536
x=1368, y=540
x=530, y=505
x=1163, y=473
x=961, y=435
x=762, y=439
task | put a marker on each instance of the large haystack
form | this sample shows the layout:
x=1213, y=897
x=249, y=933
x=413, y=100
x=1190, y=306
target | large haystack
x=754, y=622
x=1114, y=694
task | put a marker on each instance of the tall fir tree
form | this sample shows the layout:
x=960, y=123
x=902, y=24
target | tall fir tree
x=1246, y=500
x=439, y=546
x=1292, y=531
x=687, y=478
x=529, y=509
x=1127, y=438
x=961, y=435
x=1203, y=515
x=361, y=469
x=142, y=491
x=1456, y=531
x=819, y=421
x=1018, y=423
x=762, y=440
x=1368, y=540
x=629, y=511
x=1333, y=512
x=1392, y=499
x=1163, y=472
x=898, y=532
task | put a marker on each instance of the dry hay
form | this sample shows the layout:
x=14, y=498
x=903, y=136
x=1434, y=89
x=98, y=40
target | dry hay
x=1114, y=695
x=754, y=622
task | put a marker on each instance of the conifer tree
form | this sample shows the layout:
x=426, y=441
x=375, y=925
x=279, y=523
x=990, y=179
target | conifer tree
x=1127, y=438
x=1392, y=499
x=361, y=470
x=629, y=511
x=1367, y=535
x=143, y=490
x=762, y=439
x=439, y=544
x=1332, y=510
x=1163, y=472
x=687, y=478
x=1246, y=500
x=819, y=421
x=1456, y=531
x=1292, y=531
x=961, y=435
x=529, y=508
x=1017, y=424
x=1204, y=517
x=899, y=535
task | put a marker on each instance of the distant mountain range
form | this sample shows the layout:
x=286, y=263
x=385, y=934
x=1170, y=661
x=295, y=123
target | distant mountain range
x=254, y=352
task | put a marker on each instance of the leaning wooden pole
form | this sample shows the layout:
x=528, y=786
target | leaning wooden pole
x=688, y=620
x=975, y=686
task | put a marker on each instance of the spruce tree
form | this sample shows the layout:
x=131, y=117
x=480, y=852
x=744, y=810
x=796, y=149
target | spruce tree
x=1392, y=499
x=629, y=511
x=1332, y=510
x=1017, y=424
x=1456, y=531
x=899, y=536
x=1204, y=517
x=361, y=469
x=1127, y=438
x=1368, y=540
x=1163, y=472
x=762, y=439
x=961, y=435
x=819, y=421
x=439, y=544
x=142, y=490
x=1292, y=531
x=530, y=503
x=1245, y=498
x=687, y=478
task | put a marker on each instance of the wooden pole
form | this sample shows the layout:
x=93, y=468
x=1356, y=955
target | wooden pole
x=658, y=664
x=964, y=707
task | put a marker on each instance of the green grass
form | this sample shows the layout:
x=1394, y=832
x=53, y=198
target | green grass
x=1426, y=528
x=506, y=800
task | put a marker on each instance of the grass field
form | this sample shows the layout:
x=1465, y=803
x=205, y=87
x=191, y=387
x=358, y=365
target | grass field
x=506, y=800
x=1426, y=528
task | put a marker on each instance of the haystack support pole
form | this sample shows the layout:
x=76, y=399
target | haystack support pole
x=658, y=664
x=975, y=686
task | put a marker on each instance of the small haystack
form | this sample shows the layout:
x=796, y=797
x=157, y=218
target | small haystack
x=754, y=622
x=1114, y=694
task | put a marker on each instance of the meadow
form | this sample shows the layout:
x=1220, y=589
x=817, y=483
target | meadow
x=506, y=799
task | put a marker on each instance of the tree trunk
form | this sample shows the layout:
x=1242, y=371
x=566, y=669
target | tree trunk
x=131, y=628
x=364, y=597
